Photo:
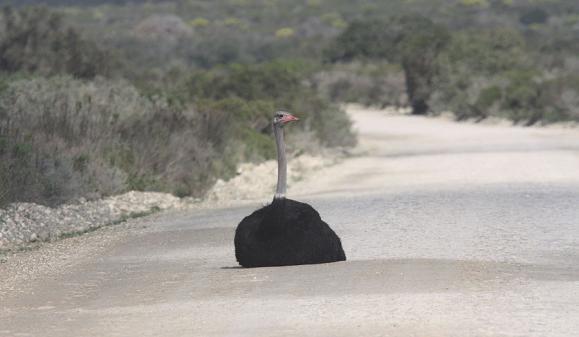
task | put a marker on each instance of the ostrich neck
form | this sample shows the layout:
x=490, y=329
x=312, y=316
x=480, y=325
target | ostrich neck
x=281, y=163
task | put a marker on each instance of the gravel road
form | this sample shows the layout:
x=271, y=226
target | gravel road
x=450, y=230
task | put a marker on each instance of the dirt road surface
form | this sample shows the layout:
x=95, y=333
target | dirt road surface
x=450, y=230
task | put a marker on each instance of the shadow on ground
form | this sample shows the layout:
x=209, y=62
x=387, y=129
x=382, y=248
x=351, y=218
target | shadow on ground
x=391, y=276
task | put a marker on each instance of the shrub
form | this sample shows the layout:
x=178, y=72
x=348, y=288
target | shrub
x=162, y=27
x=558, y=99
x=534, y=16
x=488, y=52
x=414, y=41
x=368, y=39
x=485, y=74
x=36, y=40
x=278, y=85
x=364, y=83
x=272, y=80
x=64, y=138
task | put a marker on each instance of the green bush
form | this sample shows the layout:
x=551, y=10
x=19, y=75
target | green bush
x=534, y=16
x=277, y=85
x=559, y=98
x=238, y=126
x=487, y=73
x=36, y=40
x=64, y=138
x=413, y=41
x=379, y=84
x=487, y=52
x=367, y=39
x=272, y=80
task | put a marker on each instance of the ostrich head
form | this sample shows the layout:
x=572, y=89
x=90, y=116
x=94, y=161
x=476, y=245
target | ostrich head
x=281, y=118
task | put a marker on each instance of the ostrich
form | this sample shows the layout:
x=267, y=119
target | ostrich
x=285, y=232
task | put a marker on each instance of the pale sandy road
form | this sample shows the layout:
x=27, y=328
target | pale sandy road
x=450, y=229
x=405, y=152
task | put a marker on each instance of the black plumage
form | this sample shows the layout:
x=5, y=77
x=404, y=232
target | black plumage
x=286, y=232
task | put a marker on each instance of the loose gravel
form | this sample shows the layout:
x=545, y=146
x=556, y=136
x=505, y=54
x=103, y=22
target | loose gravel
x=25, y=223
x=22, y=223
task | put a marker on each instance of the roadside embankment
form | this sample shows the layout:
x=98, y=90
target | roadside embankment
x=24, y=223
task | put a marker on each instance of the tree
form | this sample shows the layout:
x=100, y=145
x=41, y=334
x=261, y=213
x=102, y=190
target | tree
x=413, y=41
x=420, y=47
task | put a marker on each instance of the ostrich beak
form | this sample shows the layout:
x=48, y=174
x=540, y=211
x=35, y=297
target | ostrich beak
x=289, y=118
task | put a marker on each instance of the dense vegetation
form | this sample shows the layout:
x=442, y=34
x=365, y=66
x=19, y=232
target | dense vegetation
x=78, y=120
x=99, y=97
x=510, y=71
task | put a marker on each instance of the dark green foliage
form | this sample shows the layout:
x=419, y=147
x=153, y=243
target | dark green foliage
x=488, y=97
x=278, y=85
x=490, y=73
x=475, y=68
x=529, y=99
x=489, y=51
x=414, y=41
x=421, y=44
x=250, y=82
x=376, y=83
x=485, y=67
x=238, y=128
x=559, y=98
x=534, y=16
x=542, y=34
x=369, y=39
x=63, y=138
x=35, y=40
x=521, y=95
x=198, y=95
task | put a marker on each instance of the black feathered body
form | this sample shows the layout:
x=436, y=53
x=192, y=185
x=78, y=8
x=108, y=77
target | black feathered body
x=286, y=232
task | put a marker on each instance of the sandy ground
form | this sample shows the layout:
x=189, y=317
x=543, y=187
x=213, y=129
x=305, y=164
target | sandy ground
x=450, y=230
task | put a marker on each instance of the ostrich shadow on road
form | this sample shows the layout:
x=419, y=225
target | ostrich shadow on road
x=391, y=276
